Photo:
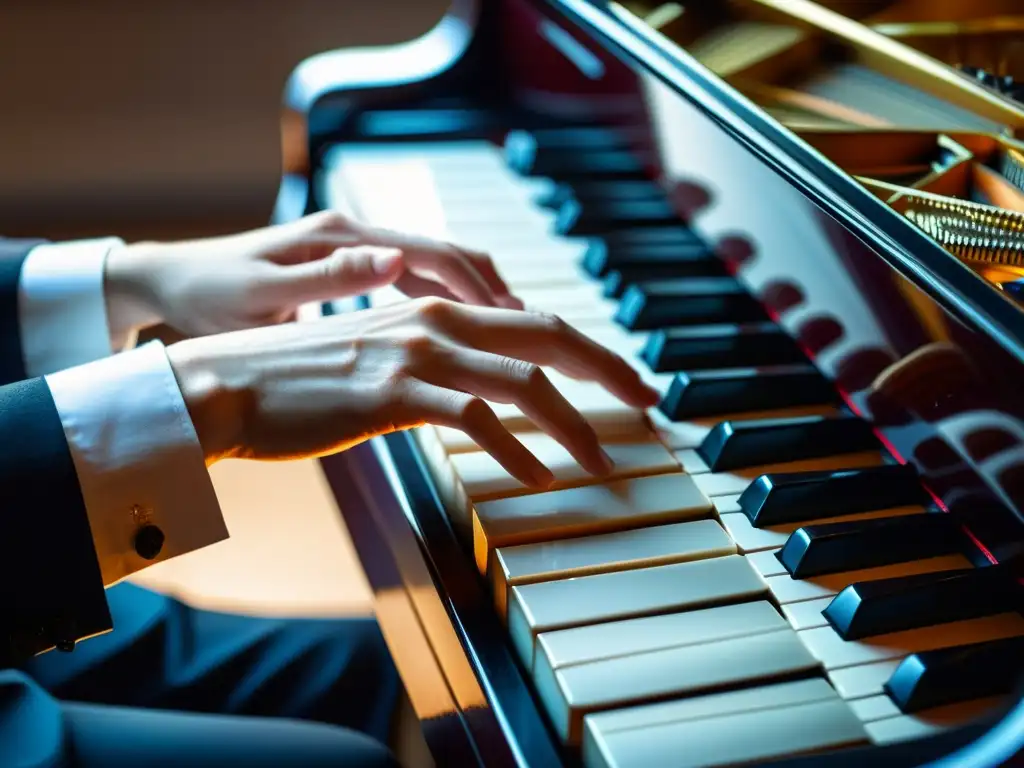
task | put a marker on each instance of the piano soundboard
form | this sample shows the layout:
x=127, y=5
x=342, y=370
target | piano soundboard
x=808, y=552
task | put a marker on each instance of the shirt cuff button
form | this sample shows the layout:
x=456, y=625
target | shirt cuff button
x=149, y=540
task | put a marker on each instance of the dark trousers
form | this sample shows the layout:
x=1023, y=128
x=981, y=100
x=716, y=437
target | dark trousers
x=175, y=686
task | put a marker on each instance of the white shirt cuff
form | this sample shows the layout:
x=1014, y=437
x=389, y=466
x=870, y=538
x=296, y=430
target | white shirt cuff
x=137, y=457
x=62, y=310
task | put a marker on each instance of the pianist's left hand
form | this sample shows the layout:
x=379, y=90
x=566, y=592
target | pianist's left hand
x=261, y=277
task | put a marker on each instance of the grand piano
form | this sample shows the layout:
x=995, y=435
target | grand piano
x=803, y=223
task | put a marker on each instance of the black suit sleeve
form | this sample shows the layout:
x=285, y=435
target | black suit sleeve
x=12, y=359
x=51, y=590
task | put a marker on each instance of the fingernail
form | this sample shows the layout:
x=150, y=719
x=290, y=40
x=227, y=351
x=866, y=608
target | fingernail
x=606, y=465
x=543, y=477
x=383, y=260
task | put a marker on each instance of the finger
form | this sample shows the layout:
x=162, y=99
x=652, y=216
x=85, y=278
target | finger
x=416, y=287
x=549, y=341
x=448, y=263
x=345, y=272
x=461, y=410
x=504, y=380
x=485, y=266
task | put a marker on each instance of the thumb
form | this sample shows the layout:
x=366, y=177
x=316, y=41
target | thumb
x=346, y=272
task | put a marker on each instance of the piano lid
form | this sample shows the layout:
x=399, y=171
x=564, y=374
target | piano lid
x=881, y=88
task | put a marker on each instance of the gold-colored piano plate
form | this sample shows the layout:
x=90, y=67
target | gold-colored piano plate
x=809, y=66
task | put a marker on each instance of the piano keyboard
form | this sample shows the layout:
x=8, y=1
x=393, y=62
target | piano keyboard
x=759, y=577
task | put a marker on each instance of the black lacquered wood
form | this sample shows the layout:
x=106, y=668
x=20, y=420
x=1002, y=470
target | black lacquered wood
x=961, y=673
x=816, y=550
x=686, y=301
x=879, y=607
x=730, y=345
x=739, y=444
x=778, y=498
x=694, y=394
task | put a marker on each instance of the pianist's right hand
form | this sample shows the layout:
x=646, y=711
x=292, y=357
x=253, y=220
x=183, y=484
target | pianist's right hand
x=309, y=389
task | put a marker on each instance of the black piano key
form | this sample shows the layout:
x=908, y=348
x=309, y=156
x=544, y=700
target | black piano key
x=702, y=300
x=604, y=255
x=719, y=346
x=577, y=138
x=961, y=673
x=817, y=550
x=568, y=164
x=576, y=218
x=793, y=497
x=870, y=608
x=587, y=191
x=617, y=282
x=695, y=394
x=741, y=444
x=425, y=124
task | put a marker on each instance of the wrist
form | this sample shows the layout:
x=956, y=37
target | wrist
x=214, y=405
x=130, y=290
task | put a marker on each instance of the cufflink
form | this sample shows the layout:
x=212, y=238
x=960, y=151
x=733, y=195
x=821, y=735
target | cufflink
x=149, y=540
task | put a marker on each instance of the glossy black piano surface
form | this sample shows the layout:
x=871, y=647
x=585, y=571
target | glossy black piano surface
x=914, y=343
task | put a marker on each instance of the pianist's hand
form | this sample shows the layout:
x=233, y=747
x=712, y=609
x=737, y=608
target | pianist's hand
x=261, y=277
x=309, y=389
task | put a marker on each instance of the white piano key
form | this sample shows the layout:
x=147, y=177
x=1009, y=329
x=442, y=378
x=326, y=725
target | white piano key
x=551, y=605
x=729, y=739
x=576, y=690
x=862, y=680
x=736, y=481
x=680, y=435
x=772, y=696
x=806, y=614
x=751, y=539
x=585, y=555
x=470, y=478
x=929, y=722
x=595, y=642
x=786, y=589
x=766, y=563
x=834, y=652
x=877, y=707
x=485, y=479
x=691, y=462
x=591, y=509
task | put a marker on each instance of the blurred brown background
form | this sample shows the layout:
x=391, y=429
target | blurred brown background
x=159, y=118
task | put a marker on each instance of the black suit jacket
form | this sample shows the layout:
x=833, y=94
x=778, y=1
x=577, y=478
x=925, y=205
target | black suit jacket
x=51, y=590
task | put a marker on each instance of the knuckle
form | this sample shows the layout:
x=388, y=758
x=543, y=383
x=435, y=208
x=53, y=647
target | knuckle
x=530, y=375
x=418, y=348
x=553, y=323
x=433, y=308
x=473, y=412
x=329, y=220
